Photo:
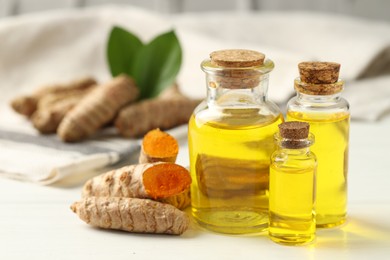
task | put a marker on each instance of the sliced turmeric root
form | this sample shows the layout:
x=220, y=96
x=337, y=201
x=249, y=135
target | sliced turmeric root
x=152, y=180
x=158, y=146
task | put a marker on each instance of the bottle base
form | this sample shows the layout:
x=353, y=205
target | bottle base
x=329, y=221
x=292, y=240
x=232, y=222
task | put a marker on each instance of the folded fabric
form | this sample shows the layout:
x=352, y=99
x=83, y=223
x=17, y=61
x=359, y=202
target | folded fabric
x=28, y=156
x=45, y=159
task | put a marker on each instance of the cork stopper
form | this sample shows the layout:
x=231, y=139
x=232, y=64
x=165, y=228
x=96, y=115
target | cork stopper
x=237, y=58
x=294, y=130
x=319, y=72
x=236, y=69
x=319, y=78
x=294, y=134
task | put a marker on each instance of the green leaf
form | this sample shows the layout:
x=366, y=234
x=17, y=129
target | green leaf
x=122, y=48
x=154, y=66
x=157, y=64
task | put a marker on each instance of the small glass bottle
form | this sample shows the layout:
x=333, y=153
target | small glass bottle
x=318, y=102
x=292, y=186
x=230, y=142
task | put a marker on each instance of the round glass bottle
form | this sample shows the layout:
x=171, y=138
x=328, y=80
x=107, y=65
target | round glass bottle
x=319, y=103
x=292, y=186
x=230, y=143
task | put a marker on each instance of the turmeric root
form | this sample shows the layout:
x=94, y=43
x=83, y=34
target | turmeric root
x=97, y=108
x=180, y=201
x=131, y=214
x=163, y=112
x=158, y=146
x=152, y=180
x=53, y=107
x=27, y=105
x=52, y=99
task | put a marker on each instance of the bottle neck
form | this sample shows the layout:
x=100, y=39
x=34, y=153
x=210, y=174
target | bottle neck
x=294, y=146
x=236, y=86
x=295, y=151
x=242, y=95
x=305, y=98
x=318, y=93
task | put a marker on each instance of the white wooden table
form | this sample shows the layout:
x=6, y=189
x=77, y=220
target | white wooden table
x=36, y=222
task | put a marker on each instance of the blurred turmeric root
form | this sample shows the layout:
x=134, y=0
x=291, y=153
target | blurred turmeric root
x=169, y=110
x=97, y=108
x=27, y=105
x=52, y=108
x=78, y=109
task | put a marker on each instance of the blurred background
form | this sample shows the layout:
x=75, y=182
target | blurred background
x=372, y=9
x=55, y=41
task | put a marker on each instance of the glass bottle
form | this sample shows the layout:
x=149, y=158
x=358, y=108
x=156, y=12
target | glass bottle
x=292, y=186
x=319, y=103
x=230, y=143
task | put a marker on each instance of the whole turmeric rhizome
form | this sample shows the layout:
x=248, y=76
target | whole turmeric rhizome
x=136, y=198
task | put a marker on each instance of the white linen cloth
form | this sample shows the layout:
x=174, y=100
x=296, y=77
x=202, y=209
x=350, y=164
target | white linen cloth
x=28, y=156
x=63, y=45
x=45, y=159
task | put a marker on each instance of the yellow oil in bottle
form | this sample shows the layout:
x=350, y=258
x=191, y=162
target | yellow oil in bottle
x=291, y=202
x=229, y=157
x=331, y=148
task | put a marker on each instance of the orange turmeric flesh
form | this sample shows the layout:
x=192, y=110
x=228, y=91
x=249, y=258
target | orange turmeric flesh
x=160, y=144
x=165, y=180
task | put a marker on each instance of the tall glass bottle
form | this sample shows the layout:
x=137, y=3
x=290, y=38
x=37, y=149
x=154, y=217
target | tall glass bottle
x=230, y=143
x=292, y=186
x=319, y=103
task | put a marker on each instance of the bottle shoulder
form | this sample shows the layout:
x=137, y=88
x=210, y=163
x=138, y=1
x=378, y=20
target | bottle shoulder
x=339, y=105
x=240, y=116
x=294, y=154
x=264, y=108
